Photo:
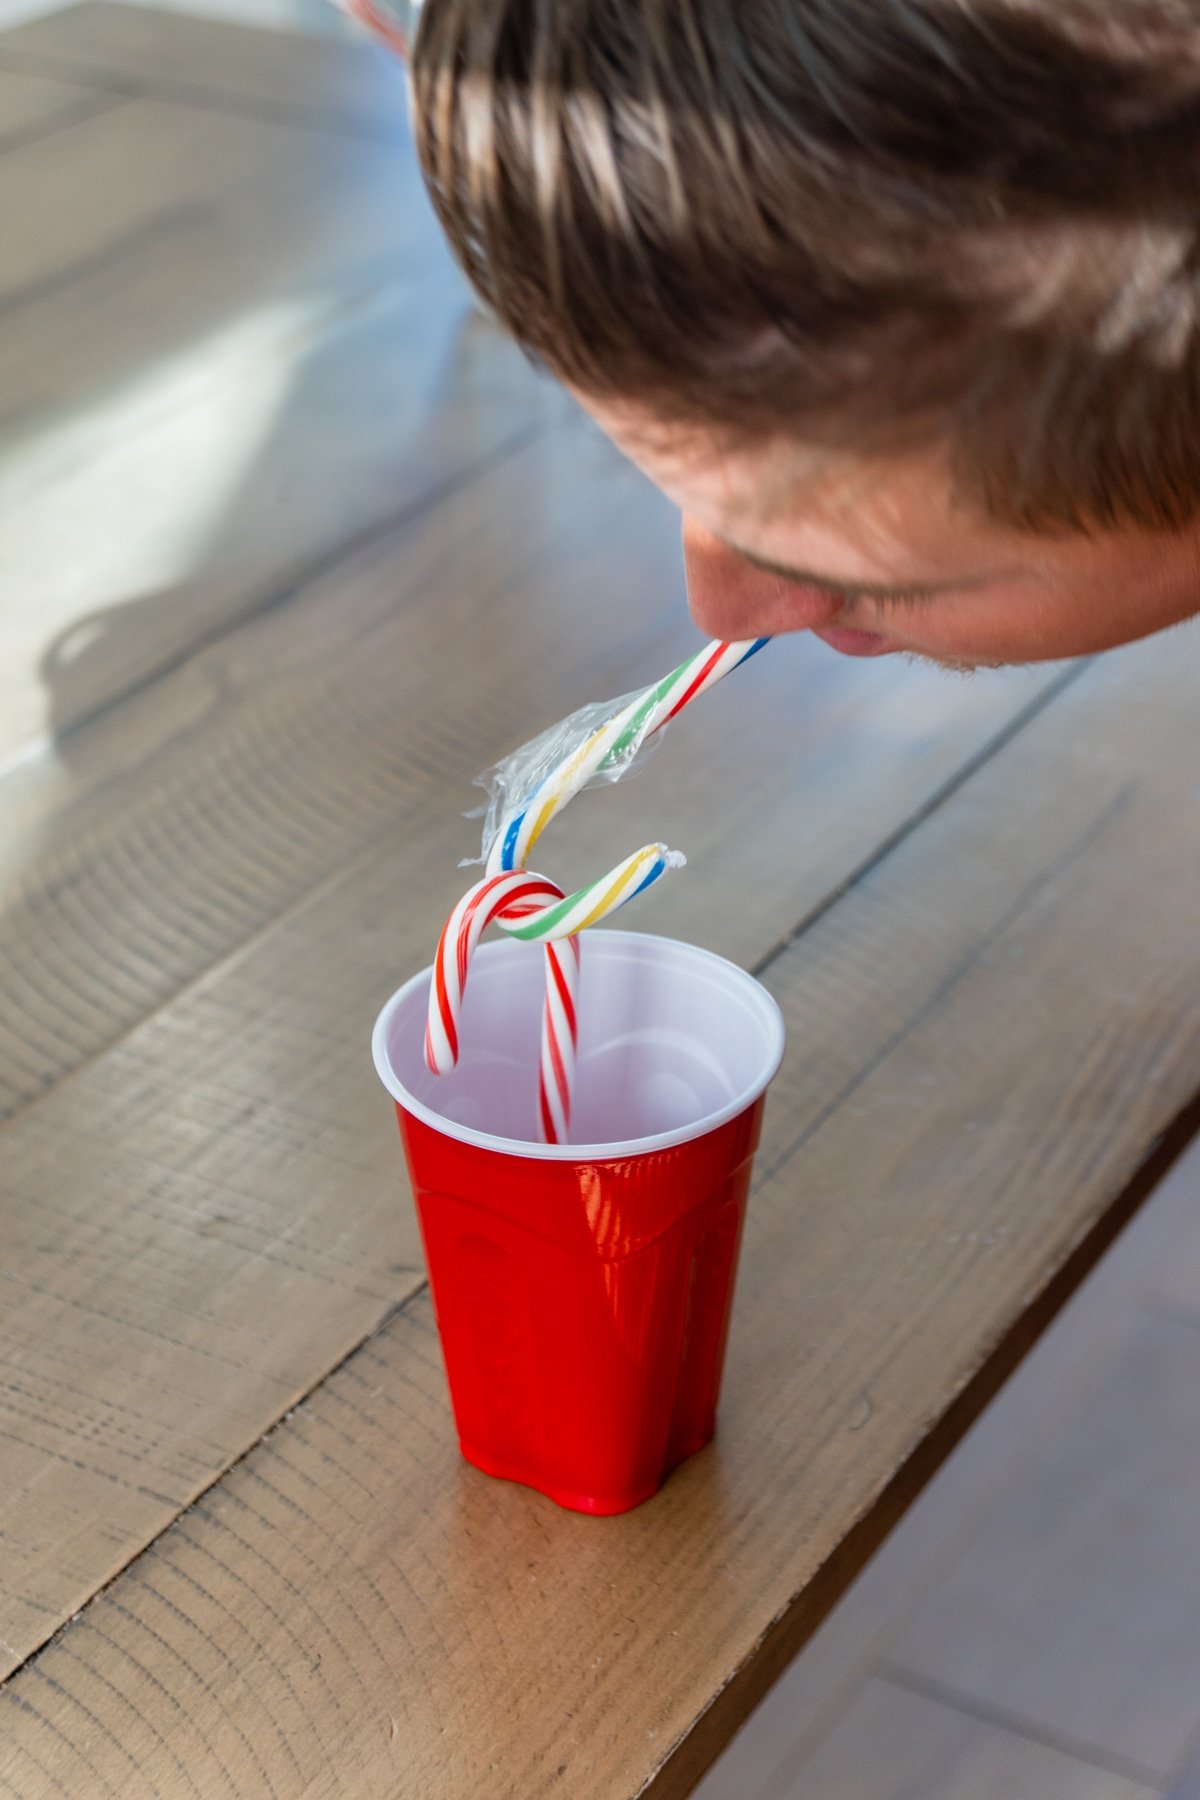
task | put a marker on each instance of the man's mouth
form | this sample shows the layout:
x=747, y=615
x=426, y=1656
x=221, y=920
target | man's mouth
x=854, y=643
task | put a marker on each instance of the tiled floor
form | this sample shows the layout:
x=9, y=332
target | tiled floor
x=1032, y=1630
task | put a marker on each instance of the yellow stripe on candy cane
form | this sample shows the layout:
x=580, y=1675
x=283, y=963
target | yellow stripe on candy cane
x=629, y=877
x=562, y=779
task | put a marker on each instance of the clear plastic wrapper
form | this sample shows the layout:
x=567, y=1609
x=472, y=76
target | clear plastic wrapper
x=512, y=783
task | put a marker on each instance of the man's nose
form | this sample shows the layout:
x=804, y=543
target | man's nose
x=732, y=599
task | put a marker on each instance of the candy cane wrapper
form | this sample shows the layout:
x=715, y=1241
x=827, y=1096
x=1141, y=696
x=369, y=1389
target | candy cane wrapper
x=603, y=742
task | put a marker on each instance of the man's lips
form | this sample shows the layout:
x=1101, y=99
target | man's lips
x=854, y=643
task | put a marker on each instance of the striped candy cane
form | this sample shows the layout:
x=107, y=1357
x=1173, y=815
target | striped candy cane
x=530, y=907
x=643, y=716
x=549, y=921
x=508, y=897
x=486, y=901
x=560, y=1040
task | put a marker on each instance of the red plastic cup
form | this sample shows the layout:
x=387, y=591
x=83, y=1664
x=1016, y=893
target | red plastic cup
x=583, y=1291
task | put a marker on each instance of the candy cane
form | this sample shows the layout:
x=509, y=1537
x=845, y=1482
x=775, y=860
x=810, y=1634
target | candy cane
x=530, y=907
x=464, y=928
x=566, y=916
x=643, y=716
x=508, y=898
x=560, y=1040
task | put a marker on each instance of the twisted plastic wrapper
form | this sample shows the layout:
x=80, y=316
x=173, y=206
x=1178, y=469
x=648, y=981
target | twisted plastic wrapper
x=512, y=783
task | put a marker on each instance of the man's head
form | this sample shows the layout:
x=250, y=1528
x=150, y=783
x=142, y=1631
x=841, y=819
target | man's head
x=887, y=294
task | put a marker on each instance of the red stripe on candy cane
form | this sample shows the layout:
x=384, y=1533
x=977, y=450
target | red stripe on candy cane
x=559, y=1039
x=564, y=992
x=444, y=1007
x=697, y=682
x=549, y=1135
x=560, y=1074
x=515, y=893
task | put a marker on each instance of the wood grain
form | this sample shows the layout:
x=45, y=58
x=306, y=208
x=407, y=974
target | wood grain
x=231, y=352
x=342, y=88
x=278, y=206
x=33, y=105
x=987, y=1031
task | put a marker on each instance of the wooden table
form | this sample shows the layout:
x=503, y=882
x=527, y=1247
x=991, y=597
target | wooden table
x=294, y=547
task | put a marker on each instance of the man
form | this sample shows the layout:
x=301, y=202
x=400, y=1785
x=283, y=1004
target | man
x=897, y=299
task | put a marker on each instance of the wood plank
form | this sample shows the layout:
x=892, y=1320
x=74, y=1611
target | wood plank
x=31, y=105
x=230, y=350
x=891, y=1745
x=1075, y=1609
x=339, y=86
x=987, y=1032
x=287, y=205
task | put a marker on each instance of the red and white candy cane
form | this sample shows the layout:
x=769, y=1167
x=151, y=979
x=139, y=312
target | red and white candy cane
x=560, y=1040
x=531, y=907
x=509, y=898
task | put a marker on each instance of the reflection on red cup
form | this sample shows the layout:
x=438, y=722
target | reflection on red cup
x=583, y=1290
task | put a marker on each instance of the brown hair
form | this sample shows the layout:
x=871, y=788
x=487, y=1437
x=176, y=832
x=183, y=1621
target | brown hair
x=850, y=221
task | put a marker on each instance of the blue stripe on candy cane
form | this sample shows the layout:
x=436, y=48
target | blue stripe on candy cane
x=659, y=868
x=508, y=856
x=510, y=842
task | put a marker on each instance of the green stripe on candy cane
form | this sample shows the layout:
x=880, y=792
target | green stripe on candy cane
x=588, y=905
x=641, y=718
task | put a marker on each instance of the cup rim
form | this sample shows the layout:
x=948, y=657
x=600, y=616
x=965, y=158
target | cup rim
x=623, y=1149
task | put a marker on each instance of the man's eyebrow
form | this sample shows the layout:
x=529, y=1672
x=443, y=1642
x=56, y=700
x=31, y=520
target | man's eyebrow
x=830, y=584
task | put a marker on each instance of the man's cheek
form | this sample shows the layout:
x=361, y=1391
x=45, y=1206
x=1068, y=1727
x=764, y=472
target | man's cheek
x=1028, y=628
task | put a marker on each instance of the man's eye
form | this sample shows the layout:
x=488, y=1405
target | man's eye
x=900, y=598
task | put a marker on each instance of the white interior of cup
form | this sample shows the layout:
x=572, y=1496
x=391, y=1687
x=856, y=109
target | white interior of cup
x=673, y=1041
